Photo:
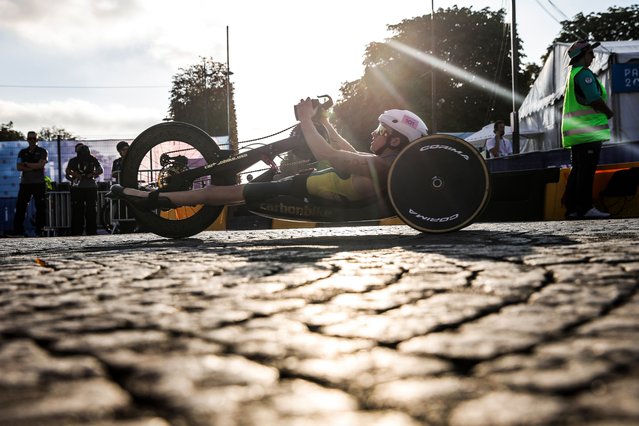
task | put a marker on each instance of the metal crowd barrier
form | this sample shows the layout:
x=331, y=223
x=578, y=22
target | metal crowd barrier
x=119, y=215
x=58, y=212
x=58, y=217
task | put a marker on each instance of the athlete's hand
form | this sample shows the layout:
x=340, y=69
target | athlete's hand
x=305, y=109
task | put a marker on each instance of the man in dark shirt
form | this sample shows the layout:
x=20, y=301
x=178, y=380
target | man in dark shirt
x=116, y=168
x=82, y=171
x=125, y=222
x=31, y=163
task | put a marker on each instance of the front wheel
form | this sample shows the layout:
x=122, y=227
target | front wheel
x=157, y=155
x=439, y=183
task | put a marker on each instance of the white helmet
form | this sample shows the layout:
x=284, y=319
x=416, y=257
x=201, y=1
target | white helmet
x=404, y=122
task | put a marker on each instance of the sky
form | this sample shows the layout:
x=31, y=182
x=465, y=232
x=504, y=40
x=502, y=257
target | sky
x=102, y=69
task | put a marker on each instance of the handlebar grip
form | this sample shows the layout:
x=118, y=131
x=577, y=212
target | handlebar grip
x=328, y=103
x=317, y=105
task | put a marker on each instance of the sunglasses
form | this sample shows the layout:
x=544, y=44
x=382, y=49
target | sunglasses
x=381, y=131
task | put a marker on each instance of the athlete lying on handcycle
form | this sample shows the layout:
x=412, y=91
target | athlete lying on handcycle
x=353, y=176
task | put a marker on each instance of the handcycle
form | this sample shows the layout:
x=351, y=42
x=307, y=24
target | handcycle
x=438, y=183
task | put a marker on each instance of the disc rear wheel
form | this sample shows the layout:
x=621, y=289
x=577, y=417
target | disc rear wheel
x=439, y=183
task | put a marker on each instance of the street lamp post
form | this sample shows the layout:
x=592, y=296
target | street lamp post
x=59, y=147
x=433, y=89
x=514, y=49
x=228, y=90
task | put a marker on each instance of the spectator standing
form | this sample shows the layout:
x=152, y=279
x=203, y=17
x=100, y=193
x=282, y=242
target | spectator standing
x=498, y=146
x=82, y=171
x=116, y=168
x=125, y=223
x=31, y=162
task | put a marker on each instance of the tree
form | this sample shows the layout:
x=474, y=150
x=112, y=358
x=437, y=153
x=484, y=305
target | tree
x=615, y=24
x=52, y=133
x=199, y=97
x=477, y=42
x=8, y=134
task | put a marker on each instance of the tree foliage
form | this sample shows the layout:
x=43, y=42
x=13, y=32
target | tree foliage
x=477, y=42
x=45, y=134
x=52, y=133
x=199, y=96
x=8, y=134
x=615, y=24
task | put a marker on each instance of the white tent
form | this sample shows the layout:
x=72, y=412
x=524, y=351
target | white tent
x=478, y=139
x=486, y=132
x=616, y=63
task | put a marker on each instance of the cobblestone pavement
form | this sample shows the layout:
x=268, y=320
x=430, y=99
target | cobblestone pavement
x=497, y=324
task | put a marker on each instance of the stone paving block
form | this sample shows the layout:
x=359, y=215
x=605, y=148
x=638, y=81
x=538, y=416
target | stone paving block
x=429, y=400
x=142, y=421
x=513, y=283
x=629, y=266
x=619, y=351
x=63, y=402
x=25, y=364
x=473, y=344
x=586, y=273
x=614, y=324
x=411, y=320
x=616, y=400
x=298, y=402
x=280, y=338
x=192, y=386
x=529, y=318
x=503, y=408
x=364, y=369
x=595, y=297
x=342, y=282
x=96, y=343
x=542, y=372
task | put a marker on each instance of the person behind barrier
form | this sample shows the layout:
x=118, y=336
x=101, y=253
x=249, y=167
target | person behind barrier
x=82, y=171
x=121, y=213
x=498, y=146
x=354, y=175
x=31, y=163
x=116, y=168
x=584, y=127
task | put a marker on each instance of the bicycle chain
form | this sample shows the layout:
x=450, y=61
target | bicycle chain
x=266, y=137
x=262, y=138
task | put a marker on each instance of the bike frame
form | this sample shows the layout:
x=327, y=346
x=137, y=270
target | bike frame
x=235, y=163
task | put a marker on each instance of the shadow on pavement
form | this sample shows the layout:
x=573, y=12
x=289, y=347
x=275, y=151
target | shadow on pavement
x=462, y=244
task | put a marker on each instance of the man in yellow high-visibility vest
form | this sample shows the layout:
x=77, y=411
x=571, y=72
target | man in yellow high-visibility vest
x=584, y=128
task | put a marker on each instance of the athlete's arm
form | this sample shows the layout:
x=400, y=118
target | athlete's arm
x=335, y=137
x=358, y=163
